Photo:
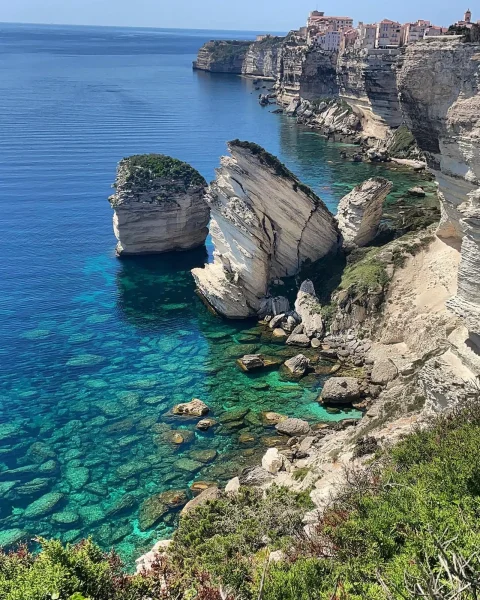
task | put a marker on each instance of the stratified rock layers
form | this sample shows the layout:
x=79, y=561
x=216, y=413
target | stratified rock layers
x=359, y=212
x=222, y=56
x=265, y=225
x=159, y=205
x=439, y=85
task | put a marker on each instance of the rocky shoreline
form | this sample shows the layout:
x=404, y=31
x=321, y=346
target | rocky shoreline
x=405, y=318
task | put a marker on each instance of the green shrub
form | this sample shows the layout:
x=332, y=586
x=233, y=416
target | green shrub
x=144, y=167
x=368, y=274
x=64, y=572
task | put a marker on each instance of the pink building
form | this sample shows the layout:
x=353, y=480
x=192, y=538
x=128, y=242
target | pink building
x=413, y=32
x=388, y=34
x=433, y=31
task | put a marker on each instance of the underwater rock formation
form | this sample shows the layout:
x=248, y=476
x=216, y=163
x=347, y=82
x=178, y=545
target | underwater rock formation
x=359, y=212
x=159, y=205
x=265, y=225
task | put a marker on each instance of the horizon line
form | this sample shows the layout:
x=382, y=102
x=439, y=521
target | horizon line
x=135, y=27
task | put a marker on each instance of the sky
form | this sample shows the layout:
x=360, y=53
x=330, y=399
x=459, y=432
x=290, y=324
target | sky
x=254, y=15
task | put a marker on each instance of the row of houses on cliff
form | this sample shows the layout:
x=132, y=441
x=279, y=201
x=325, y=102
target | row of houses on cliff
x=334, y=34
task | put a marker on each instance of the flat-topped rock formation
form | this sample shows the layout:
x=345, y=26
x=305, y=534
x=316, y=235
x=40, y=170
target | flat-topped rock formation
x=265, y=224
x=222, y=56
x=359, y=212
x=439, y=85
x=159, y=205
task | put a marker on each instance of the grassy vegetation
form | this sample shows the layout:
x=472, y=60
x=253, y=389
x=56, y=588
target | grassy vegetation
x=227, y=51
x=144, y=167
x=368, y=274
x=407, y=527
x=402, y=142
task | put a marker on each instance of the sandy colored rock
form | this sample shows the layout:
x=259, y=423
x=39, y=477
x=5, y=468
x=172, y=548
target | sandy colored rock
x=293, y=427
x=340, y=390
x=383, y=371
x=159, y=205
x=359, y=212
x=195, y=408
x=265, y=224
x=211, y=493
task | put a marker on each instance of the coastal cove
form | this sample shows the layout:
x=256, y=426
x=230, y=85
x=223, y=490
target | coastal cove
x=97, y=351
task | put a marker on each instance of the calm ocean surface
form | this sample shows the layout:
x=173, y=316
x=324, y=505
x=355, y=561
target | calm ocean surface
x=96, y=351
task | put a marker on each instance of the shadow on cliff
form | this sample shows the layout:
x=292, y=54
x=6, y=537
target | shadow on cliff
x=154, y=290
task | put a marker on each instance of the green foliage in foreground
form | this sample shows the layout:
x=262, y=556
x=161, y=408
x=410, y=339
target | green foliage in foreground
x=411, y=525
x=80, y=572
x=407, y=528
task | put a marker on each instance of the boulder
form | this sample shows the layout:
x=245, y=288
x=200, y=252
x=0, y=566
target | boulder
x=272, y=418
x=359, y=212
x=205, y=424
x=251, y=362
x=298, y=339
x=273, y=306
x=272, y=461
x=417, y=191
x=278, y=332
x=194, y=408
x=293, y=427
x=159, y=205
x=383, y=371
x=308, y=308
x=254, y=476
x=340, y=390
x=211, y=493
x=297, y=365
x=232, y=486
x=275, y=321
x=265, y=224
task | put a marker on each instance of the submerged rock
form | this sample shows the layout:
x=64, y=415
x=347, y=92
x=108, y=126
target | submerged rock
x=194, y=408
x=43, y=506
x=265, y=225
x=208, y=495
x=251, y=362
x=298, y=365
x=159, y=205
x=155, y=507
x=359, y=212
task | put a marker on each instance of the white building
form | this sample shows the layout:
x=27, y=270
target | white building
x=367, y=34
x=328, y=40
x=388, y=34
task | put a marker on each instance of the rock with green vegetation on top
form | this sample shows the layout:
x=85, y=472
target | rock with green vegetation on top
x=159, y=205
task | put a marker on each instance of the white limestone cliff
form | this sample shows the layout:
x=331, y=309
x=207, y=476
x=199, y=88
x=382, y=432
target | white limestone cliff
x=359, y=212
x=439, y=84
x=159, y=205
x=265, y=224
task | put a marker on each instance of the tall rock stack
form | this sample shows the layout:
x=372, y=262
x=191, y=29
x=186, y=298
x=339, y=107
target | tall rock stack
x=265, y=225
x=359, y=212
x=159, y=205
x=439, y=84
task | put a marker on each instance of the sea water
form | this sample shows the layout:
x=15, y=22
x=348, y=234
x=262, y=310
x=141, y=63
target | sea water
x=96, y=351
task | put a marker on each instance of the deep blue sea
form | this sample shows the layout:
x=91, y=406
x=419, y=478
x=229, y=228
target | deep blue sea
x=96, y=351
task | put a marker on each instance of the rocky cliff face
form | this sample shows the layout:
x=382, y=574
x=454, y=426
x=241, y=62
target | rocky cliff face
x=305, y=73
x=263, y=58
x=439, y=85
x=159, y=205
x=264, y=225
x=220, y=56
x=359, y=212
x=367, y=81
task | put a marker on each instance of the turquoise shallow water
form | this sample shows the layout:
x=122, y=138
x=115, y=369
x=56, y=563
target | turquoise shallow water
x=95, y=351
